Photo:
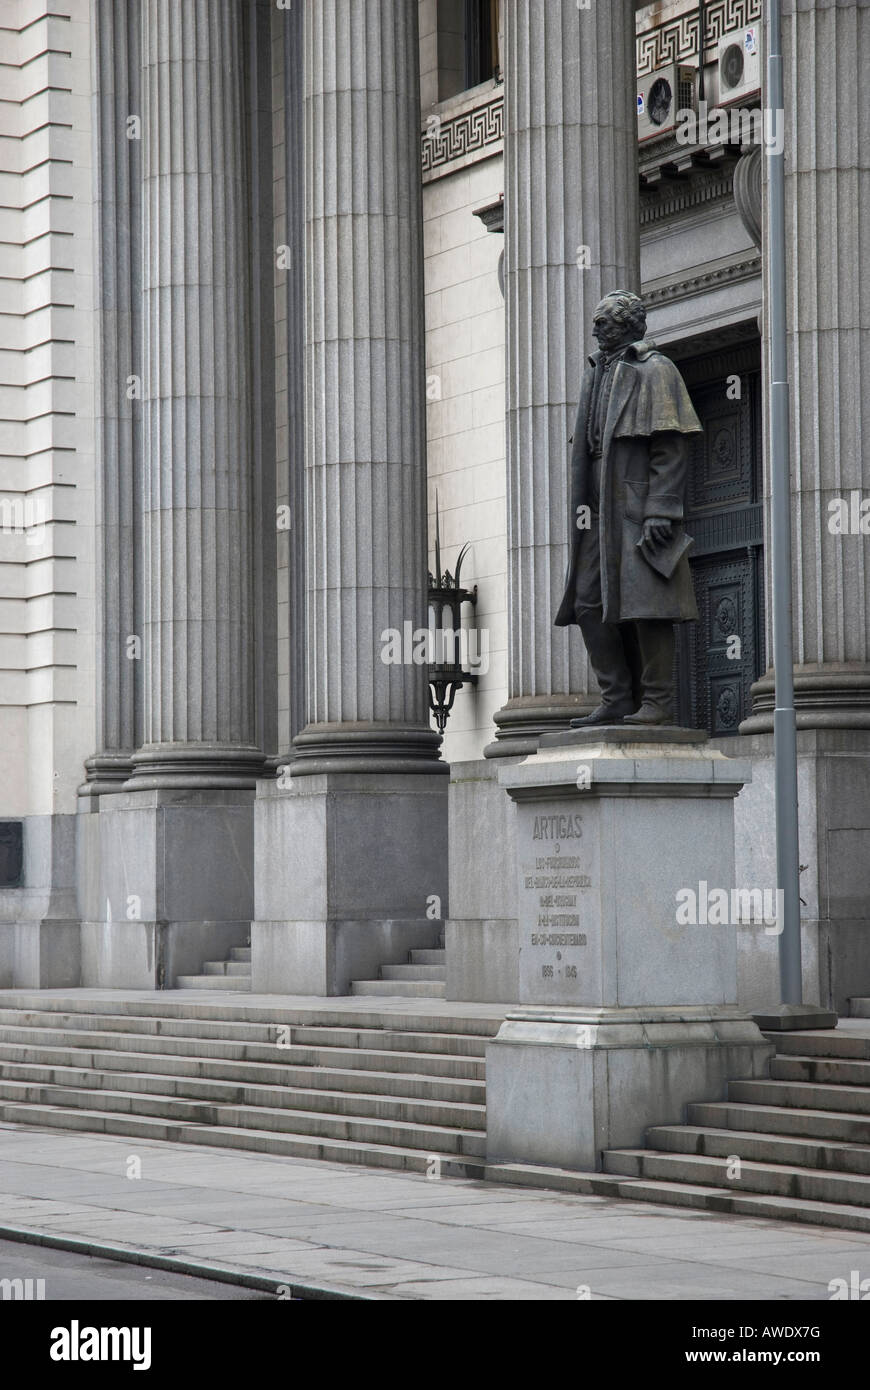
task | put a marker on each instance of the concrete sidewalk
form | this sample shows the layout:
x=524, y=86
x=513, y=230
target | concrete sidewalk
x=377, y=1234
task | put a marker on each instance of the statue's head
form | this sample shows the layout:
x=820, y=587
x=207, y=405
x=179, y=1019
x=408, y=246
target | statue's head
x=619, y=319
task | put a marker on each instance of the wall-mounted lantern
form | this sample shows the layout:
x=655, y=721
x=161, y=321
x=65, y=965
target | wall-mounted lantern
x=447, y=672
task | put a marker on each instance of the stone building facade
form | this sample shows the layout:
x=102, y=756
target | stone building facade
x=288, y=283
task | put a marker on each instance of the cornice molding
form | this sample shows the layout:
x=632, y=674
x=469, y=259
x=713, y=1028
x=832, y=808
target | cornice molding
x=712, y=279
x=679, y=197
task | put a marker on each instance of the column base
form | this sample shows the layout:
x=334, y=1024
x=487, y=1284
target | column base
x=367, y=748
x=521, y=722
x=106, y=773
x=563, y=1086
x=195, y=766
x=835, y=695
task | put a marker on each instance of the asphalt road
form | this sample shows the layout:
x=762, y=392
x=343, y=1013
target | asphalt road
x=86, y=1278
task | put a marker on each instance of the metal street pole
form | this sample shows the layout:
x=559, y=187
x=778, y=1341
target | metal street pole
x=784, y=723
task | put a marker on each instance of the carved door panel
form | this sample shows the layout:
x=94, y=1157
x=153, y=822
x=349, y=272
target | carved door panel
x=719, y=657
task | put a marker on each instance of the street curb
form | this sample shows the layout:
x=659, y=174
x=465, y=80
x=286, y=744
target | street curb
x=222, y=1274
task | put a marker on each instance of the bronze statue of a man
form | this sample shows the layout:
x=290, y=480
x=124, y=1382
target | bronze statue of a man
x=629, y=580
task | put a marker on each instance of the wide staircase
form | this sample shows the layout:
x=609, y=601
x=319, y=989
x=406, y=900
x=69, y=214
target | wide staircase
x=400, y=1085
x=795, y=1146
x=397, y=1089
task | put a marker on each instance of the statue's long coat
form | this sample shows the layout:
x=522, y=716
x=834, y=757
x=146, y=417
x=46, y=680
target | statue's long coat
x=643, y=474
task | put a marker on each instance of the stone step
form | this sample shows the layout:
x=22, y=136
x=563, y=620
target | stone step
x=412, y=1085
x=312, y=1124
x=761, y=1148
x=823, y=1042
x=802, y=1095
x=773, y=1119
x=433, y=956
x=444, y=1044
x=769, y=1179
x=699, y=1198
x=259, y=1042
x=834, y=1071
x=349, y=1103
x=166, y=1006
x=678, y=1194
x=859, y=1008
x=373, y=1155
x=240, y=953
x=238, y=1061
x=227, y=967
x=553, y=1179
x=236, y=982
x=414, y=972
x=397, y=989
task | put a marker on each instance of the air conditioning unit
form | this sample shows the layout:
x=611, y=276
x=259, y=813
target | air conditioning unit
x=661, y=96
x=739, y=65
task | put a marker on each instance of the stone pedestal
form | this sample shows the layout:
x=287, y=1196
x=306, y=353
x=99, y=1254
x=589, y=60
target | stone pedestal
x=564, y=1086
x=625, y=866
x=352, y=875
x=834, y=834
x=165, y=883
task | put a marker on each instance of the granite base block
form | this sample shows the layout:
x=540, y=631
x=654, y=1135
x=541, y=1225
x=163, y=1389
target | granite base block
x=564, y=1087
x=350, y=875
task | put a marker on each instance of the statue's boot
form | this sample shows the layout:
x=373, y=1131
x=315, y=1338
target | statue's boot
x=657, y=644
x=607, y=655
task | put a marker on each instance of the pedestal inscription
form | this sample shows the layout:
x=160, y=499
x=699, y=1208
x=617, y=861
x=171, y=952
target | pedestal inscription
x=560, y=923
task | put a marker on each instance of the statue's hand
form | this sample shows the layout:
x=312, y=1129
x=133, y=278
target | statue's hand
x=657, y=530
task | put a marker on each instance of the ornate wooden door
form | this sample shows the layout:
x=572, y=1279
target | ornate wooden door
x=719, y=658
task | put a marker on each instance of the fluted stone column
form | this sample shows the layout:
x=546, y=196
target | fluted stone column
x=571, y=201
x=351, y=847
x=294, y=284
x=826, y=48
x=119, y=434
x=826, y=55
x=199, y=715
x=365, y=464
x=166, y=867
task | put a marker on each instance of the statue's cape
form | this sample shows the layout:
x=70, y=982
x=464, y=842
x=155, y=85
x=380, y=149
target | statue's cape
x=659, y=401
